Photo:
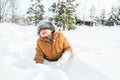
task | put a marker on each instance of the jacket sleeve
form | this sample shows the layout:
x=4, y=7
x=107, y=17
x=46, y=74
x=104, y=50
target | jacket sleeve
x=39, y=57
x=66, y=45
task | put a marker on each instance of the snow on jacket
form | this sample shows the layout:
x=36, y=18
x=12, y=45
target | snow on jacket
x=52, y=51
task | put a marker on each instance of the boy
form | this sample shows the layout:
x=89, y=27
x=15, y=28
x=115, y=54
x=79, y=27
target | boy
x=52, y=45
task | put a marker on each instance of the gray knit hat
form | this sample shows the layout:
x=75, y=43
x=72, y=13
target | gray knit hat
x=45, y=25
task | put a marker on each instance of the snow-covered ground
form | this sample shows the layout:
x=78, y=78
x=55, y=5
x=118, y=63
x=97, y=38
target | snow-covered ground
x=97, y=54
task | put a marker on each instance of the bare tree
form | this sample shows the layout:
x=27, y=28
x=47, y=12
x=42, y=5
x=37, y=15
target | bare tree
x=92, y=13
x=3, y=9
x=14, y=4
x=103, y=16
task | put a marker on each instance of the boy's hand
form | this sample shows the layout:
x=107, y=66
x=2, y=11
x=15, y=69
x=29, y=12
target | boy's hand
x=64, y=58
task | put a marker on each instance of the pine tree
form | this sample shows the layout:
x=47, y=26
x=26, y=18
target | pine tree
x=36, y=11
x=64, y=14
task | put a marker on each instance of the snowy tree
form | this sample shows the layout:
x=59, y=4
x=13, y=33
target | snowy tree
x=118, y=10
x=115, y=15
x=36, y=11
x=119, y=13
x=102, y=17
x=53, y=9
x=64, y=14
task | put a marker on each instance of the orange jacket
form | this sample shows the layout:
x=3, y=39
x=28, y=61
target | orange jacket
x=52, y=51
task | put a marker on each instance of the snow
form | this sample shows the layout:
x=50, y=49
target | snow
x=97, y=54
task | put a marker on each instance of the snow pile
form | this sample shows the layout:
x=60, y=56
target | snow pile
x=97, y=52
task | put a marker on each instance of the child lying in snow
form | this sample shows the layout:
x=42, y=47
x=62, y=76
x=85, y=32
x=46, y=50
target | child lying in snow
x=52, y=45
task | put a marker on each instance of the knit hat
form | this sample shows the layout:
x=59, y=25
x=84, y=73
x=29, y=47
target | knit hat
x=45, y=25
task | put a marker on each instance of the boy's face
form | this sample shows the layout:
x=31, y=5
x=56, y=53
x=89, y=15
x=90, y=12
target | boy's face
x=45, y=32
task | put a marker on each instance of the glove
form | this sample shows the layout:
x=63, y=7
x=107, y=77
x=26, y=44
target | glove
x=66, y=55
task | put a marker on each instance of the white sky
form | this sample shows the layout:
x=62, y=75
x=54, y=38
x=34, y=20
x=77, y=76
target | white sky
x=24, y=5
x=102, y=4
